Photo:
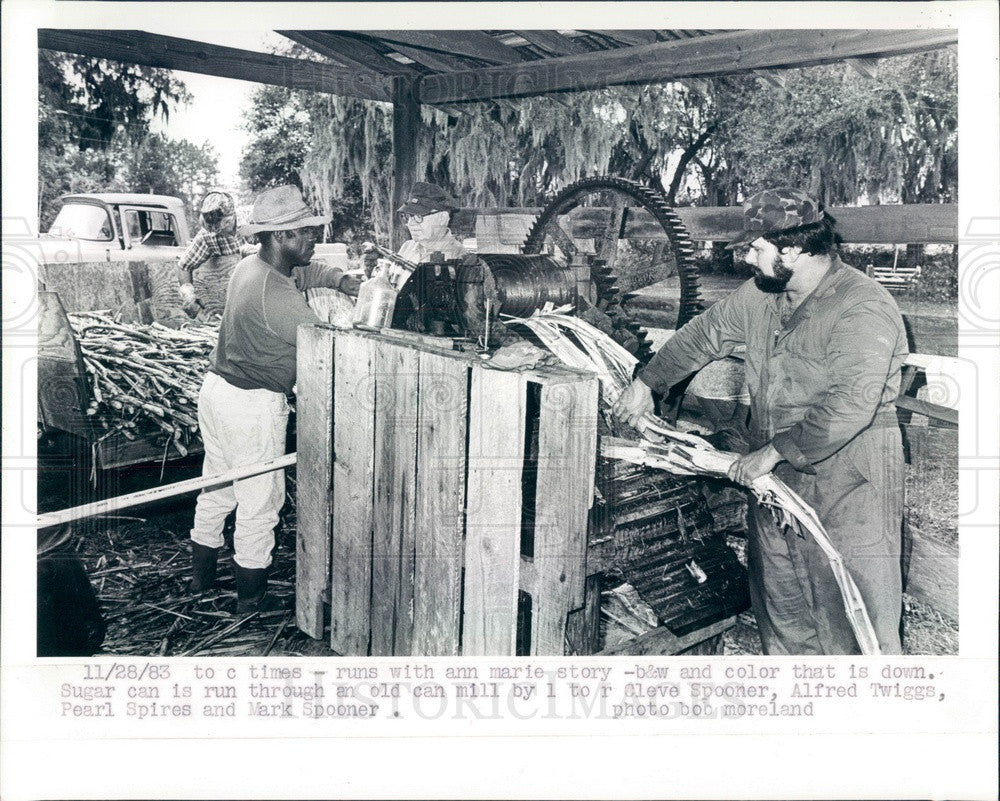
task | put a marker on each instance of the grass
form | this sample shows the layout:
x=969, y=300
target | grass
x=932, y=498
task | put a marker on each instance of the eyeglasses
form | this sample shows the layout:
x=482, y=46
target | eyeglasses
x=408, y=218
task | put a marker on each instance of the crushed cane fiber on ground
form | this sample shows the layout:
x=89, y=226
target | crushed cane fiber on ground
x=140, y=567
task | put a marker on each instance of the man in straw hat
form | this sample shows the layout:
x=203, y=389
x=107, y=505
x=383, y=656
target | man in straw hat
x=824, y=349
x=242, y=406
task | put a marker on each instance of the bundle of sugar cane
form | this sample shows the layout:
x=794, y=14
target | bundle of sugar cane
x=687, y=454
x=579, y=344
x=144, y=380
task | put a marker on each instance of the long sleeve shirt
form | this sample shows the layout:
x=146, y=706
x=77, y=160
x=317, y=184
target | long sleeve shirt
x=816, y=382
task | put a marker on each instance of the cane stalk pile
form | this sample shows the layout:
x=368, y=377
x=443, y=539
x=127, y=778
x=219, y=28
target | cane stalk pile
x=579, y=344
x=144, y=379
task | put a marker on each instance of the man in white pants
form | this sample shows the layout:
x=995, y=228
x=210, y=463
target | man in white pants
x=243, y=407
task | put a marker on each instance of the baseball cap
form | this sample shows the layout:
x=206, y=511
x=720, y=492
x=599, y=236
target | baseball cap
x=776, y=210
x=426, y=198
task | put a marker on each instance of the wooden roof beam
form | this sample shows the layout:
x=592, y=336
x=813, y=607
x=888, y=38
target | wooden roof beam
x=154, y=50
x=437, y=62
x=552, y=42
x=348, y=51
x=471, y=44
x=715, y=54
x=629, y=37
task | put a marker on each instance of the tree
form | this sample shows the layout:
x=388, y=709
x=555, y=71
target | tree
x=848, y=137
x=94, y=133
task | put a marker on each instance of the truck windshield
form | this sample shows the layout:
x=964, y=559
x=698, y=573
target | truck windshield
x=83, y=221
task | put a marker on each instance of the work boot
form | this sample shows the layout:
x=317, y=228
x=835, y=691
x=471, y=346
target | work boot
x=251, y=591
x=203, y=564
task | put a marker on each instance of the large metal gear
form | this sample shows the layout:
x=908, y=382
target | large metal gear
x=605, y=278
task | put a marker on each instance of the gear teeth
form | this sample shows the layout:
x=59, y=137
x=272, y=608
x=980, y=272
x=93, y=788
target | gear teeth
x=604, y=277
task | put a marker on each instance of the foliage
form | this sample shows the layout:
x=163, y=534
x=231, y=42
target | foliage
x=850, y=138
x=938, y=279
x=88, y=100
x=94, y=120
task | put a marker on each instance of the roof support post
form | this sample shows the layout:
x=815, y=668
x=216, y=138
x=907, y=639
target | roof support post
x=405, y=130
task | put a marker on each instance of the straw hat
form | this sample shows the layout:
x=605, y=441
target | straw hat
x=281, y=209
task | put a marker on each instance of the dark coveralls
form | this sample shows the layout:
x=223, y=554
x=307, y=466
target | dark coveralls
x=822, y=390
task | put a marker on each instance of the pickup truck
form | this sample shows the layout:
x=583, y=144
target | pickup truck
x=116, y=226
x=104, y=250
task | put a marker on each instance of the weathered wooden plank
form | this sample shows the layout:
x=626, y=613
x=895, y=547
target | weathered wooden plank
x=932, y=572
x=567, y=445
x=583, y=628
x=349, y=51
x=933, y=410
x=472, y=44
x=493, y=513
x=434, y=61
x=154, y=50
x=92, y=285
x=406, y=125
x=142, y=292
x=552, y=41
x=920, y=223
x=396, y=371
x=353, y=448
x=662, y=641
x=634, y=37
x=314, y=483
x=715, y=54
x=441, y=450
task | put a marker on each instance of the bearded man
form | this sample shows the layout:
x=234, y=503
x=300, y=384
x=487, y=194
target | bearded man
x=824, y=349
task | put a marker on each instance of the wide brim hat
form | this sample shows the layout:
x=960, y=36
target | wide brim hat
x=776, y=210
x=427, y=198
x=281, y=209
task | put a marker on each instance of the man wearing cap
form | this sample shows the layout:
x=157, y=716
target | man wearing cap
x=204, y=268
x=242, y=406
x=824, y=349
x=426, y=214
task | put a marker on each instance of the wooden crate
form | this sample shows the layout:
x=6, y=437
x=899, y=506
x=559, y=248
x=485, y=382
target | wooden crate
x=439, y=498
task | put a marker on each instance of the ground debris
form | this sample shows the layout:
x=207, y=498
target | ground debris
x=141, y=569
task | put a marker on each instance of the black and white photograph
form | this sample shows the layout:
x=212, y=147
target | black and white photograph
x=637, y=347
x=579, y=219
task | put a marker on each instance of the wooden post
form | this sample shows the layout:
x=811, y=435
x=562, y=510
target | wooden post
x=583, y=629
x=406, y=125
x=142, y=294
x=314, y=483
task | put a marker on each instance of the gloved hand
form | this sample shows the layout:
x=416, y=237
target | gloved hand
x=187, y=293
x=349, y=285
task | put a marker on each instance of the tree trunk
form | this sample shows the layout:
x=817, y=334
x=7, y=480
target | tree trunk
x=689, y=153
